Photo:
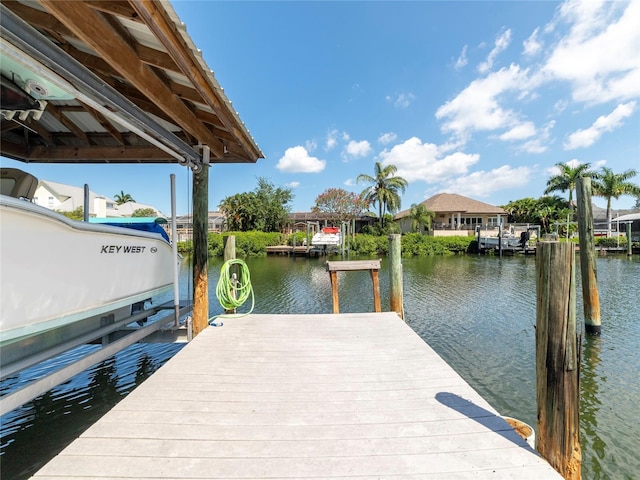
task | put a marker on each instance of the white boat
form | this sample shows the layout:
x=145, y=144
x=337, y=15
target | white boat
x=506, y=241
x=61, y=278
x=327, y=237
x=516, y=237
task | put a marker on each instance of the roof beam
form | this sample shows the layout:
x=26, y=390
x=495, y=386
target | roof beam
x=64, y=120
x=106, y=124
x=93, y=29
x=164, y=29
x=89, y=154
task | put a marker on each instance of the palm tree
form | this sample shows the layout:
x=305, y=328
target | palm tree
x=610, y=185
x=122, y=197
x=420, y=217
x=384, y=189
x=566, y=179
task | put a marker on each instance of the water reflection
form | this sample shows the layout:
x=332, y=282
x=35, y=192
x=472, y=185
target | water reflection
x=590, y=404
x=39, y=430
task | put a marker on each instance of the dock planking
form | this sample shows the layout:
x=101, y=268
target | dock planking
x=302, y=396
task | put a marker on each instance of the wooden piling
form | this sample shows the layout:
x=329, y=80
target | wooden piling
x=590, y=296
x=395, y=275
x=629, y=246
x=200, y=249
x=557, y=359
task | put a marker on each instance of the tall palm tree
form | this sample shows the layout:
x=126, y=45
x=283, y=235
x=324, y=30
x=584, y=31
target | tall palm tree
x=384, y=189
x=122, y=197
x=612, y=185
x=566, y=179
x=421, y=217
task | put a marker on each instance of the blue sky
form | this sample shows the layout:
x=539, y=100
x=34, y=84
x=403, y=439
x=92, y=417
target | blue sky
x=476, y=98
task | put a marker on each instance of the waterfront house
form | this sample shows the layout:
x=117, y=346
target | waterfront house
x=455, y=215
x=67, y=198
x=216, y=223
x=298, y=221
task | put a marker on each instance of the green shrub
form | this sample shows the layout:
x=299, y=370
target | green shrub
x=370, y=245
x=252, y=244
x=301, y=238
x=416, y=244
x=611, y=242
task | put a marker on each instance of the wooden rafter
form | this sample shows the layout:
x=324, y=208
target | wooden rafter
x=92, y=28
x=63, y=119
x=87, y=154
x=106, y=124
x=166, y=32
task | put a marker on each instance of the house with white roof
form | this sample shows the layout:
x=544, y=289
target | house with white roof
x=67, y=198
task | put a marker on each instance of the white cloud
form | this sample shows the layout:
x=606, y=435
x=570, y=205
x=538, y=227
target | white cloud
x=332, y=140
x=387, y=138
x=297, y=160
x=477, y=107
x=599, y=57
x=540, y=143
x=355, y=149
x=482, y=184
x=403, y=100
x=605, y=123
x=417, y=161
x=531, y=45
x=311, y=145
x=349, y=182
x=462, y=59
x=293, y=184
x=501, y=43
x=519, y=132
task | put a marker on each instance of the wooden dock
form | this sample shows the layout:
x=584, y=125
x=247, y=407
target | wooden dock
x=287, y=250
x=302, y=396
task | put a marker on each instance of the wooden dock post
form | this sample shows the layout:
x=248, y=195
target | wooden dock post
x=590, y=296
x=395, y=275
x=200, y=249
x=557, y=359
x=629, y=249
x=229, y=242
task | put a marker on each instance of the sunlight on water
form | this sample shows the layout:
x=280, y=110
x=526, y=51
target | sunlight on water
x=478, y=313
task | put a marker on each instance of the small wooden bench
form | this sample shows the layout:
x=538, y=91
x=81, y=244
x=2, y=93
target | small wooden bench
x=354, y=265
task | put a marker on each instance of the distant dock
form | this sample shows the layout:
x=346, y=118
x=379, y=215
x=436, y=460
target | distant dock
x=302, y=396
x=300, y=250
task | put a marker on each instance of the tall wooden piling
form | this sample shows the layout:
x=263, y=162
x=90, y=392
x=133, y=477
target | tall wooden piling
x=395, y=274
x=557, y=359
x=629, y=246
x=590, y=296
x=200, y=249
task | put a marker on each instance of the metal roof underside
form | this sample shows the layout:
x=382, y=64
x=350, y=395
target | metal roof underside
x=111, y=82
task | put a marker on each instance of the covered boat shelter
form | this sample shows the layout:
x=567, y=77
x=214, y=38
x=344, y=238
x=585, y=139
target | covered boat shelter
x=117, y=82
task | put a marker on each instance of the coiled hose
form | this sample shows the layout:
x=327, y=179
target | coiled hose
x=231, y=292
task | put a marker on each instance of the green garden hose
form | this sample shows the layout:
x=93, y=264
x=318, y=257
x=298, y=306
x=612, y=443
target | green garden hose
x=233, y=293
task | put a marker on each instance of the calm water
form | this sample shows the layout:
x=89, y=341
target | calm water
x=478, y=313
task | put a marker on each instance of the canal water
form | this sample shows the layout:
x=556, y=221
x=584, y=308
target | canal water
x=478, y=313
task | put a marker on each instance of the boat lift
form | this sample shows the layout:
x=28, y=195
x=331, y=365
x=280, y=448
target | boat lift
x=115, y=331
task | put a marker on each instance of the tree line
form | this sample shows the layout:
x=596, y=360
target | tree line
x=267, y=207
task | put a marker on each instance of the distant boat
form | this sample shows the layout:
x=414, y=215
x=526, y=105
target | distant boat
x=515, y=238
x=63, y=278
x=327, y=237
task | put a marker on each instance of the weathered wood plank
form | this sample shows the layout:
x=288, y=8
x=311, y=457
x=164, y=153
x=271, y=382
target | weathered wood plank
x=348, y=265
x=295, y=396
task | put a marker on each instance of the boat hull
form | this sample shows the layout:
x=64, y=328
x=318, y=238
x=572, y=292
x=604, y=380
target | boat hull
x=56, y=272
